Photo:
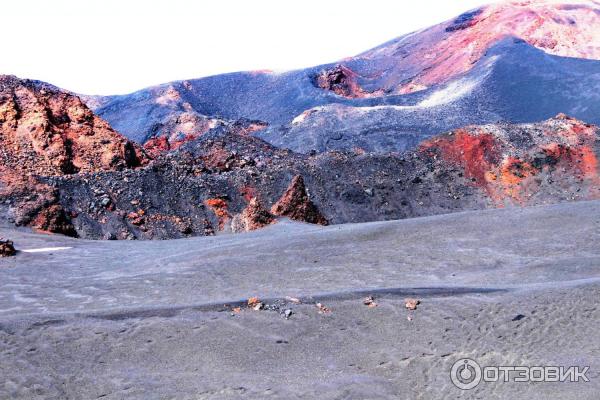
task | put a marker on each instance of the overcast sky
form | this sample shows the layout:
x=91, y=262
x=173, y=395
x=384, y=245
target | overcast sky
x=118, y=46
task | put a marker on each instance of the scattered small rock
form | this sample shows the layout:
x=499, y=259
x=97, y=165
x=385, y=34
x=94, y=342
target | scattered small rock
x=287, y=313
x=411, y=304
x=322, y=309
x=255, y=303
x=7, y=248
x=369, y=301
x=518, y=317
x=105, y=202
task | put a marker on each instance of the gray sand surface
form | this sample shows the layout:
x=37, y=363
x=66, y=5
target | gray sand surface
x=154, y=320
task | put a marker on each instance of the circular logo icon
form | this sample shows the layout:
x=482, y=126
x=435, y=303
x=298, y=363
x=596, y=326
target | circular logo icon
x=465, y=374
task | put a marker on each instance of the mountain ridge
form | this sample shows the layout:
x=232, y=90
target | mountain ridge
x=278, y=99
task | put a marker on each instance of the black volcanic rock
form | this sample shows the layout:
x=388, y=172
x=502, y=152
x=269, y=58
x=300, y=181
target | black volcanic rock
x=208, y=184
x=7, y=248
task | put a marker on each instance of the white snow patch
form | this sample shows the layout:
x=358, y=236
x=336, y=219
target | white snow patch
x=300, y=118
x=456, y=89
x=44, y=249
x=450, y=93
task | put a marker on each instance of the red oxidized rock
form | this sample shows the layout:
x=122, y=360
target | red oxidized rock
x=46, y=131
x=296, y=204
x=53, y=219
x=254, y=216
x=220, y=208
x=342, y=81
x=561, y=149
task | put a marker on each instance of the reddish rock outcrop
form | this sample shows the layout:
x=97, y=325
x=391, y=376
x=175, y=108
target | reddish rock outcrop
x=221, y=159
x=295, y=204
x=342, y=81
x=48, y=132
x=36, y=204
x=7, y=248
x=518, y=164
x=183, y=127
x=220, y=208
x=178, y=129
x=54, y=219
x=254, y=216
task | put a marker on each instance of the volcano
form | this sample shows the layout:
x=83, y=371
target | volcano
x=516, y=62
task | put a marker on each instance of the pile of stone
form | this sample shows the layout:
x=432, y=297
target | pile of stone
x=7, y=248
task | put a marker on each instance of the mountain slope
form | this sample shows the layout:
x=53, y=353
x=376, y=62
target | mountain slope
x=468, y=70
x=442, y=52
x=71, y=173
x=513, y=82
x=224, y=181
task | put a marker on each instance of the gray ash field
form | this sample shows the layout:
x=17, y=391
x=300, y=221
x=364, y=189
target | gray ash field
x=158, y=319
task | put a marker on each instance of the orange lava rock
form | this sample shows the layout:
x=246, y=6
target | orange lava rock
x=254, y=216
x=322, y=309
x=411, y=304
x=296, y=204
x=53, y=132
x=136, y=218
x=219, y=207
x=53, y=219
x=515, y=173
x=255, y=303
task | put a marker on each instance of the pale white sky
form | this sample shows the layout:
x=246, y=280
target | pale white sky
x=118, y=46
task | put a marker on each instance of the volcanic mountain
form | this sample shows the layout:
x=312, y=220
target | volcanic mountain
x=518, y=61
